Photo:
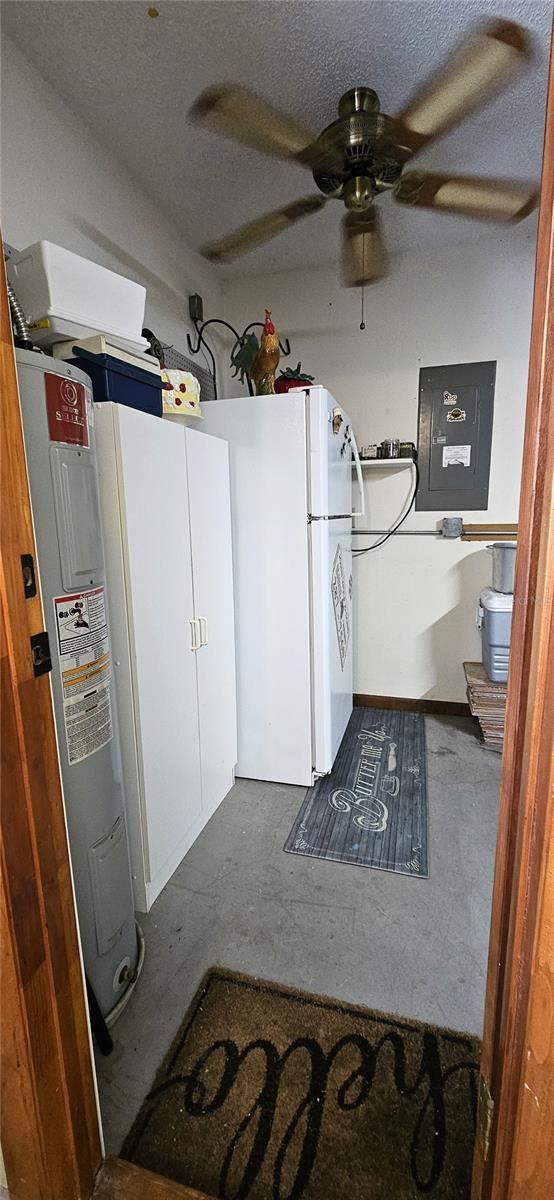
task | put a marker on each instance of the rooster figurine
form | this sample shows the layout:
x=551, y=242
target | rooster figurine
x=266, y=361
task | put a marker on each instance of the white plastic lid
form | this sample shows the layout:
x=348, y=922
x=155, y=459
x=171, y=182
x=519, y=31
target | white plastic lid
x=496, y=601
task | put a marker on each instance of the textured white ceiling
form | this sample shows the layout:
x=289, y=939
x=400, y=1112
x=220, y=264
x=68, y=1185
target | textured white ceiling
x=133, y=79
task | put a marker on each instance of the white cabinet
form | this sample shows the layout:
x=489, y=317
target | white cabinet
x=166, y=515
x=212, y=573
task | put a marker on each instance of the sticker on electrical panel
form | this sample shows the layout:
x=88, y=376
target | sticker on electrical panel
x=85, y=671
x=340, y=606
x=456, y=456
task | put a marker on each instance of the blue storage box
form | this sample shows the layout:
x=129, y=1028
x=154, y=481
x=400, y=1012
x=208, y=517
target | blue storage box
x=121, y=382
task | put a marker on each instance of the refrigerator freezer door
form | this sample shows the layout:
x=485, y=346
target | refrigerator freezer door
x=330, y=457
x=331, y=555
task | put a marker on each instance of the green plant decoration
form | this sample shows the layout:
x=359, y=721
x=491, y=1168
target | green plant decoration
x=296, y=373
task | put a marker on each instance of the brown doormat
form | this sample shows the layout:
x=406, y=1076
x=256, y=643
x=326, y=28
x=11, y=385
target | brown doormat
x=272, y=1094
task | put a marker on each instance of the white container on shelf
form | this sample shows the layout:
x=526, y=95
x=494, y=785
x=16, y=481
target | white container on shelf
x=494, y=619
x=64, y=295
x=503, y=566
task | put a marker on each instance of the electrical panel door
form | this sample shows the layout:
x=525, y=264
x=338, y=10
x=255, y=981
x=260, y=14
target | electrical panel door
x=455, y=435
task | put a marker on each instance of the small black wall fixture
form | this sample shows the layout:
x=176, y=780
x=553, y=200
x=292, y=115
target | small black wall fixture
x=240, y=338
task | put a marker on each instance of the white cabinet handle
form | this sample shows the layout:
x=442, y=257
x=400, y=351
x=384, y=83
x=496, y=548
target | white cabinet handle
x=202, y=621
x=194, y=633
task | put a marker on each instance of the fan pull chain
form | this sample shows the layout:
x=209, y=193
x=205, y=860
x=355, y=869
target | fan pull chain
x=362, y=322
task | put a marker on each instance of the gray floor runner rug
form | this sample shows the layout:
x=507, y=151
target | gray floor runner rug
x=371, y=810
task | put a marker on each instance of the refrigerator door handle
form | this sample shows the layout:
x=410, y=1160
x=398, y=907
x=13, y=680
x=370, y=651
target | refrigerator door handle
x=353, y=446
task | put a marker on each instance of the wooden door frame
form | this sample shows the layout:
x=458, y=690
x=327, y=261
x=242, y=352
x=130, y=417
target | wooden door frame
x=50, y=1130
x=523, y=884
x=49, y=1124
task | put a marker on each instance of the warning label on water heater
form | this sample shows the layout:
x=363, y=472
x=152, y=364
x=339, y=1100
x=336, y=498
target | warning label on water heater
x=85, y=670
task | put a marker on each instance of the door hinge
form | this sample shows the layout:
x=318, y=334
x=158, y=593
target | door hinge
x=485, y=1115
x=40, y=651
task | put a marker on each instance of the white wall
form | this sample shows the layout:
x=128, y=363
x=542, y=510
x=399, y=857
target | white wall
x=59, y=183
x=415, y=597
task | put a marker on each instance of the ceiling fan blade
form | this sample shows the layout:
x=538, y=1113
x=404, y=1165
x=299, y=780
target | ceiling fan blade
x=493, y=199
x=480, y=67
x=363, y=250
x=241, y=114
x=261, y=230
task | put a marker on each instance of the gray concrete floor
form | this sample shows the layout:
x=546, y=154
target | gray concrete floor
x=413, y=947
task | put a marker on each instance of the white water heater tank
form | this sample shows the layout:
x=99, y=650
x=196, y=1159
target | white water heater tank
x=58, y=424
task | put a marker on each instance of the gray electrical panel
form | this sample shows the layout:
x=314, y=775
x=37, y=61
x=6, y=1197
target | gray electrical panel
x=454, y=436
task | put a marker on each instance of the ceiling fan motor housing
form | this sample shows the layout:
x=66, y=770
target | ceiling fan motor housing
x=359, y=99
x=357, y=152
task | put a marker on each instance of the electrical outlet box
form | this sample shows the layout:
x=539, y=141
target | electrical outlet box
x=452, y=527
x=196, y=308
x=456, y=406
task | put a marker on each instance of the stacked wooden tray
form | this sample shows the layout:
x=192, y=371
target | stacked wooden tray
x=487, y=701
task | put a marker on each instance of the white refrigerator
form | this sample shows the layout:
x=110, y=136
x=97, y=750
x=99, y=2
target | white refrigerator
x=291, y=460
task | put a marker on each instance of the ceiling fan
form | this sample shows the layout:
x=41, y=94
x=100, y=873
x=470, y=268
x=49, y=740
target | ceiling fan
x=364, y=152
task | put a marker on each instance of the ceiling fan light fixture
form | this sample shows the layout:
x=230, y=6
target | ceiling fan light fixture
x=358, y=193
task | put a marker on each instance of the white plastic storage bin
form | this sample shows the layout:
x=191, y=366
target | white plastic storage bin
x=494, y=619
x=65, y=296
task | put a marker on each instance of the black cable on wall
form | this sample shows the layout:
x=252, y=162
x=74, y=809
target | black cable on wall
x=381, y=542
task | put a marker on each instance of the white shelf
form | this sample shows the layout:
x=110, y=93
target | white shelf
x=384, y=464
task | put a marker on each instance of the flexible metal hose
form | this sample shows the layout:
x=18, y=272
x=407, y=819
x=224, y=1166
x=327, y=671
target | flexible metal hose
x=20, y=327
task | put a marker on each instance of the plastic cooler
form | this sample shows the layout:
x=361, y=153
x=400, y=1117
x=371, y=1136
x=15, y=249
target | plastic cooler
x=494, y=619
x=120, y=382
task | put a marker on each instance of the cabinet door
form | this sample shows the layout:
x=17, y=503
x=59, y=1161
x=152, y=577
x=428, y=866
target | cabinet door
x=156, y=539
x=212, y=568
